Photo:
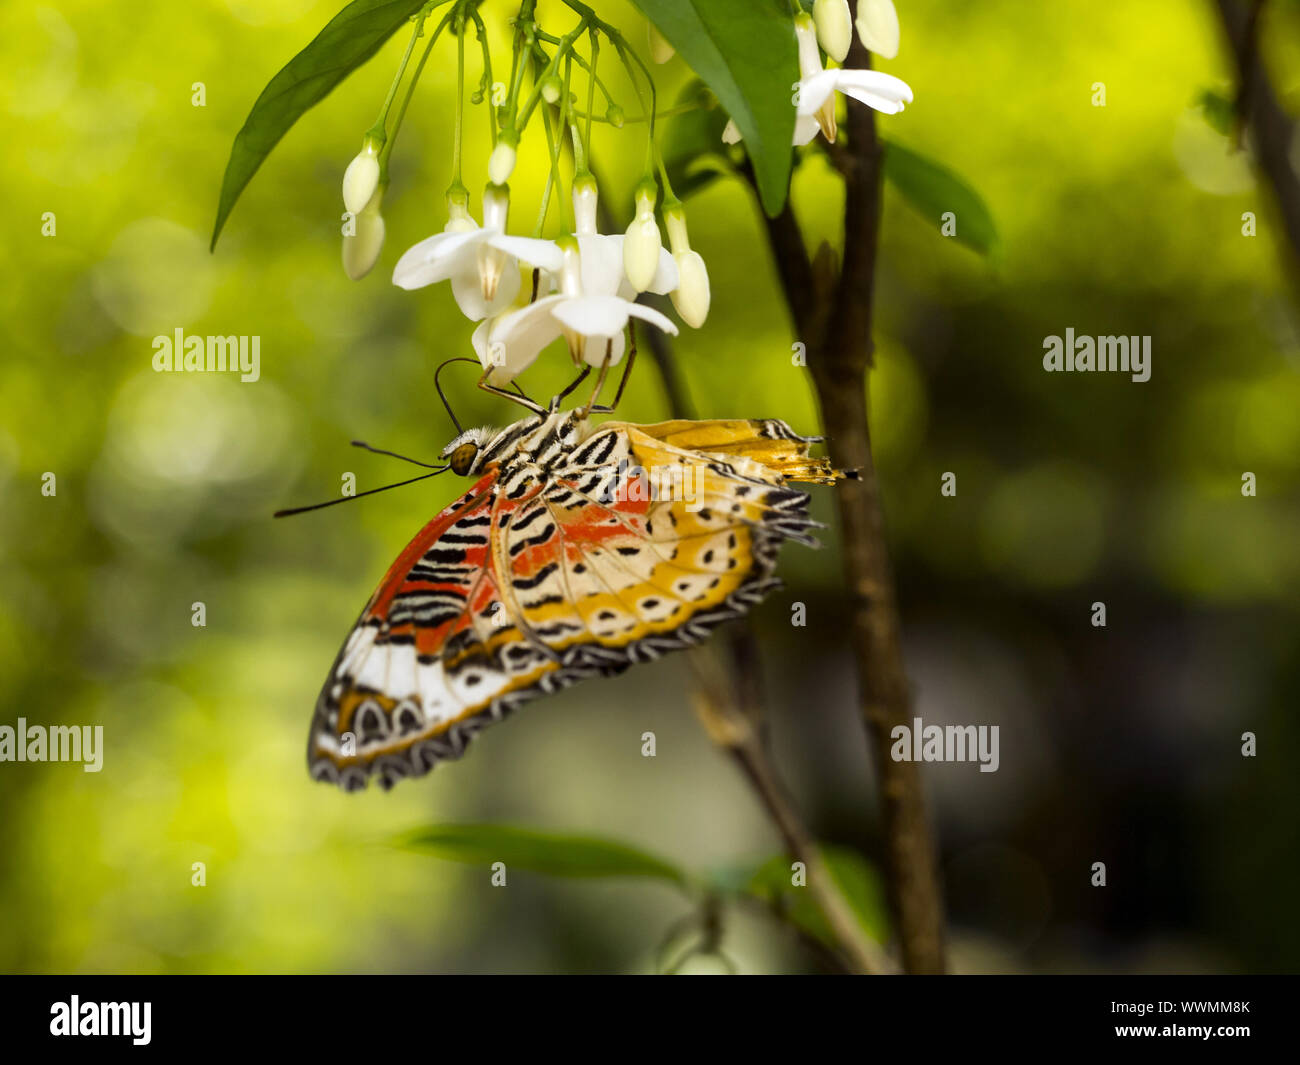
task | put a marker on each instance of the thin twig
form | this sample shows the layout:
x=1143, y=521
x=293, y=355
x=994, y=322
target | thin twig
x=730, y=724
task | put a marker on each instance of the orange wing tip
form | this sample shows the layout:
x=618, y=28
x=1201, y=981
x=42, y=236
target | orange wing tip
x=813, y=471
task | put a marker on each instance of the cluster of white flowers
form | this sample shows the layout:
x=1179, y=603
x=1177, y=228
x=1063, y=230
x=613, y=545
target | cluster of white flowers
x=526, y=292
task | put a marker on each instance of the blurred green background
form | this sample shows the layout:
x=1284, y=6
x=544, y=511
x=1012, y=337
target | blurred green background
x=1119, y=744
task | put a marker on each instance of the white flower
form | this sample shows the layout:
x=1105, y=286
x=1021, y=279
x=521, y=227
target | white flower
x=815, y=95
x=481, y=263
x=816, y=106
x=362, y=247
x=810, y=66
x=361, y=178
x=884, y=92
x=878, y=27
x=834, y=27
x=591, y=322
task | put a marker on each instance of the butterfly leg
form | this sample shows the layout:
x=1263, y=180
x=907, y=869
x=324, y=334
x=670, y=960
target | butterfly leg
x=519, y=397
x=600, y=380
x=555, y=400
x=627, y=370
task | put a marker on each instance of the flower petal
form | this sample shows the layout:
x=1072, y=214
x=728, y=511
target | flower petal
x=594, y=316
x=805, y=129
x=882, y=91
x=666, y=276
x=435, y=258
x=649, y=314
x=543, y=253
x=467, y=287
x=531, y=327
x=506, y=361
x=594, y=350
x=601, y=260
x=816, y=90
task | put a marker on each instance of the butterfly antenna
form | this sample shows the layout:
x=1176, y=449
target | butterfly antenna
x=369, y=492
x=442, y=395
x=530, y=404
x=394, y=454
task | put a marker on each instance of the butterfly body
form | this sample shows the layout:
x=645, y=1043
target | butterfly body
x=578, y=551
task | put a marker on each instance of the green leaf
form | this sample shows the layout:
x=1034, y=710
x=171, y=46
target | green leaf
x=694, y=154
x=934, y=190
x=1219, y=111
x=859, y=882
x=541, y=852
x=744, y=50
x=354, y=35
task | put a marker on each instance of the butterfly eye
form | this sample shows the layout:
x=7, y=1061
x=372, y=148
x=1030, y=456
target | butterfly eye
x=463, y=458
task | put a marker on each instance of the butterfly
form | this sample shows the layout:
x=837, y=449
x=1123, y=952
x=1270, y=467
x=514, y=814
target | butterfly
x=578, y=551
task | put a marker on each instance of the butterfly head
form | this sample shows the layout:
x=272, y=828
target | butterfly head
x=463, y=452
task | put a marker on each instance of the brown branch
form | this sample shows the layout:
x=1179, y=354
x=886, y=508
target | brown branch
x=1273, y=129
x=834, y=319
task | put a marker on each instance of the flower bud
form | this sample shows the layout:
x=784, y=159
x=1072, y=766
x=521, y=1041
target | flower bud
x=660, y=50
x=615, y=116
x=691, y=296
x=643, y=244
x=834, y=27
x=878, y=27
x=502, y=163
x=731, y=132
x=552, y=89
x=458, y=216
x=585, y=201
x=361, y=177
x=361, y=250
